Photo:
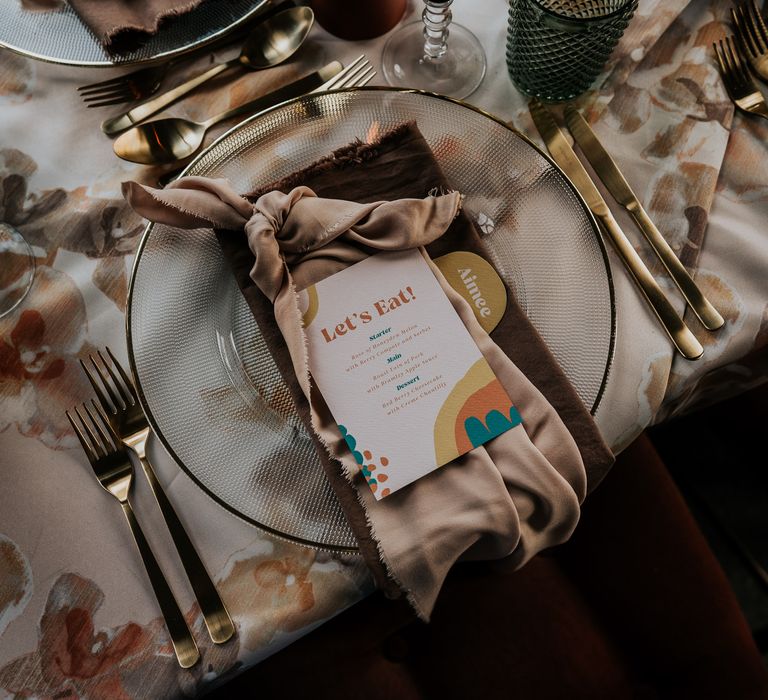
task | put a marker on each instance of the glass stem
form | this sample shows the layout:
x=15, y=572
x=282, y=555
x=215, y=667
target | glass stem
x=437, y=18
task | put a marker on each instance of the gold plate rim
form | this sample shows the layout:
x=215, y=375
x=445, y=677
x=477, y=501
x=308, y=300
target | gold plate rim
x=258, y=7
x=373, y=88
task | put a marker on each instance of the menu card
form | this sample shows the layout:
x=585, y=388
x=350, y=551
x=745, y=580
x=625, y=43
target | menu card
x=402, y=376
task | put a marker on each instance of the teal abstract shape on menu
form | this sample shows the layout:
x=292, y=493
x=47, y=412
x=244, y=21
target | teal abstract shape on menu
x=495, y=424
x=351, y=443
x=477, y=433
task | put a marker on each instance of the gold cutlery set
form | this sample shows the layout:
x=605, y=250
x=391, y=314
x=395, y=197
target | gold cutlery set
x=165, y=141
x=737, y=54
x=169, y=140
x=111, y=430
x=600, y=160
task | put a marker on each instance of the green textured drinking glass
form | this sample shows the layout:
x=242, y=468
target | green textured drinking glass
x=556, y=48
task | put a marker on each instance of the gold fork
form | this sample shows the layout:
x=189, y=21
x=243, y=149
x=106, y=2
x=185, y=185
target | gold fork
x=121, y=407
x=753, y=35
x=137, y=85
x=738, y=81
x=112, y=466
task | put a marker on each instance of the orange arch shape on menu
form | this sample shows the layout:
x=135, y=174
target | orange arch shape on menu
x=478, y=405
x=476, y=394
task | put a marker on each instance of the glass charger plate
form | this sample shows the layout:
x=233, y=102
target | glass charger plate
x=207, y=381
x=59, y=35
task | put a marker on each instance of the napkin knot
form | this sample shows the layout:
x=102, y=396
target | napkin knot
x=284, y=229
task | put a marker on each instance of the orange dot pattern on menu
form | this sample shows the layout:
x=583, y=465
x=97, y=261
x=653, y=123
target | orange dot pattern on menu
x=367, y=464
x=375, y=474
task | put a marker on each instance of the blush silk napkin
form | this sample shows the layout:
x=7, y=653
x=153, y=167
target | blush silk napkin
x=122, y=25
x=515, y=495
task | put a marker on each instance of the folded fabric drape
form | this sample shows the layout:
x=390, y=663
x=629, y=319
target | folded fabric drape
x=122, y=26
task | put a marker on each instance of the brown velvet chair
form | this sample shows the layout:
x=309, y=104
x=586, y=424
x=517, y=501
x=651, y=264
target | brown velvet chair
x=634, y=606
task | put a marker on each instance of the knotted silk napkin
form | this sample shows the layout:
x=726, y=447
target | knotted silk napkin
x=515, y=495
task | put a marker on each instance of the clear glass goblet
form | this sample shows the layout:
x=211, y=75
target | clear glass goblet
x=434, y=54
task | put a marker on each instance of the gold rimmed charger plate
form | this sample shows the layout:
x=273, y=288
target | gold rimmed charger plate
x=207, y=381
x=58, y=35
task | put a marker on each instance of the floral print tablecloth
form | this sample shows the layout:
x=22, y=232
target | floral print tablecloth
x=77, y=618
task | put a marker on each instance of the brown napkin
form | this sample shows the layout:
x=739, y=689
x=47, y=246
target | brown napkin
x=400, y=164
x=519, y=493
x=123, y=25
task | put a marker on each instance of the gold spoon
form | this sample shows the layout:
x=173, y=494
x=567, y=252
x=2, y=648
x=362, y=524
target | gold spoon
x=168, y=140
x=272, y=42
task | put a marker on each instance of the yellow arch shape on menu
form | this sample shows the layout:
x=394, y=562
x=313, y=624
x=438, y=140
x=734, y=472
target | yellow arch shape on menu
x=313, y=304
x=479, y=375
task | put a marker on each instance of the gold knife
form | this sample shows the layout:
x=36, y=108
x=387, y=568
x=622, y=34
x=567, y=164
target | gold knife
x=563, y=154
x=620, y=190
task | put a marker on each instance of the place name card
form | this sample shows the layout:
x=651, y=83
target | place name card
x=402, y=376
